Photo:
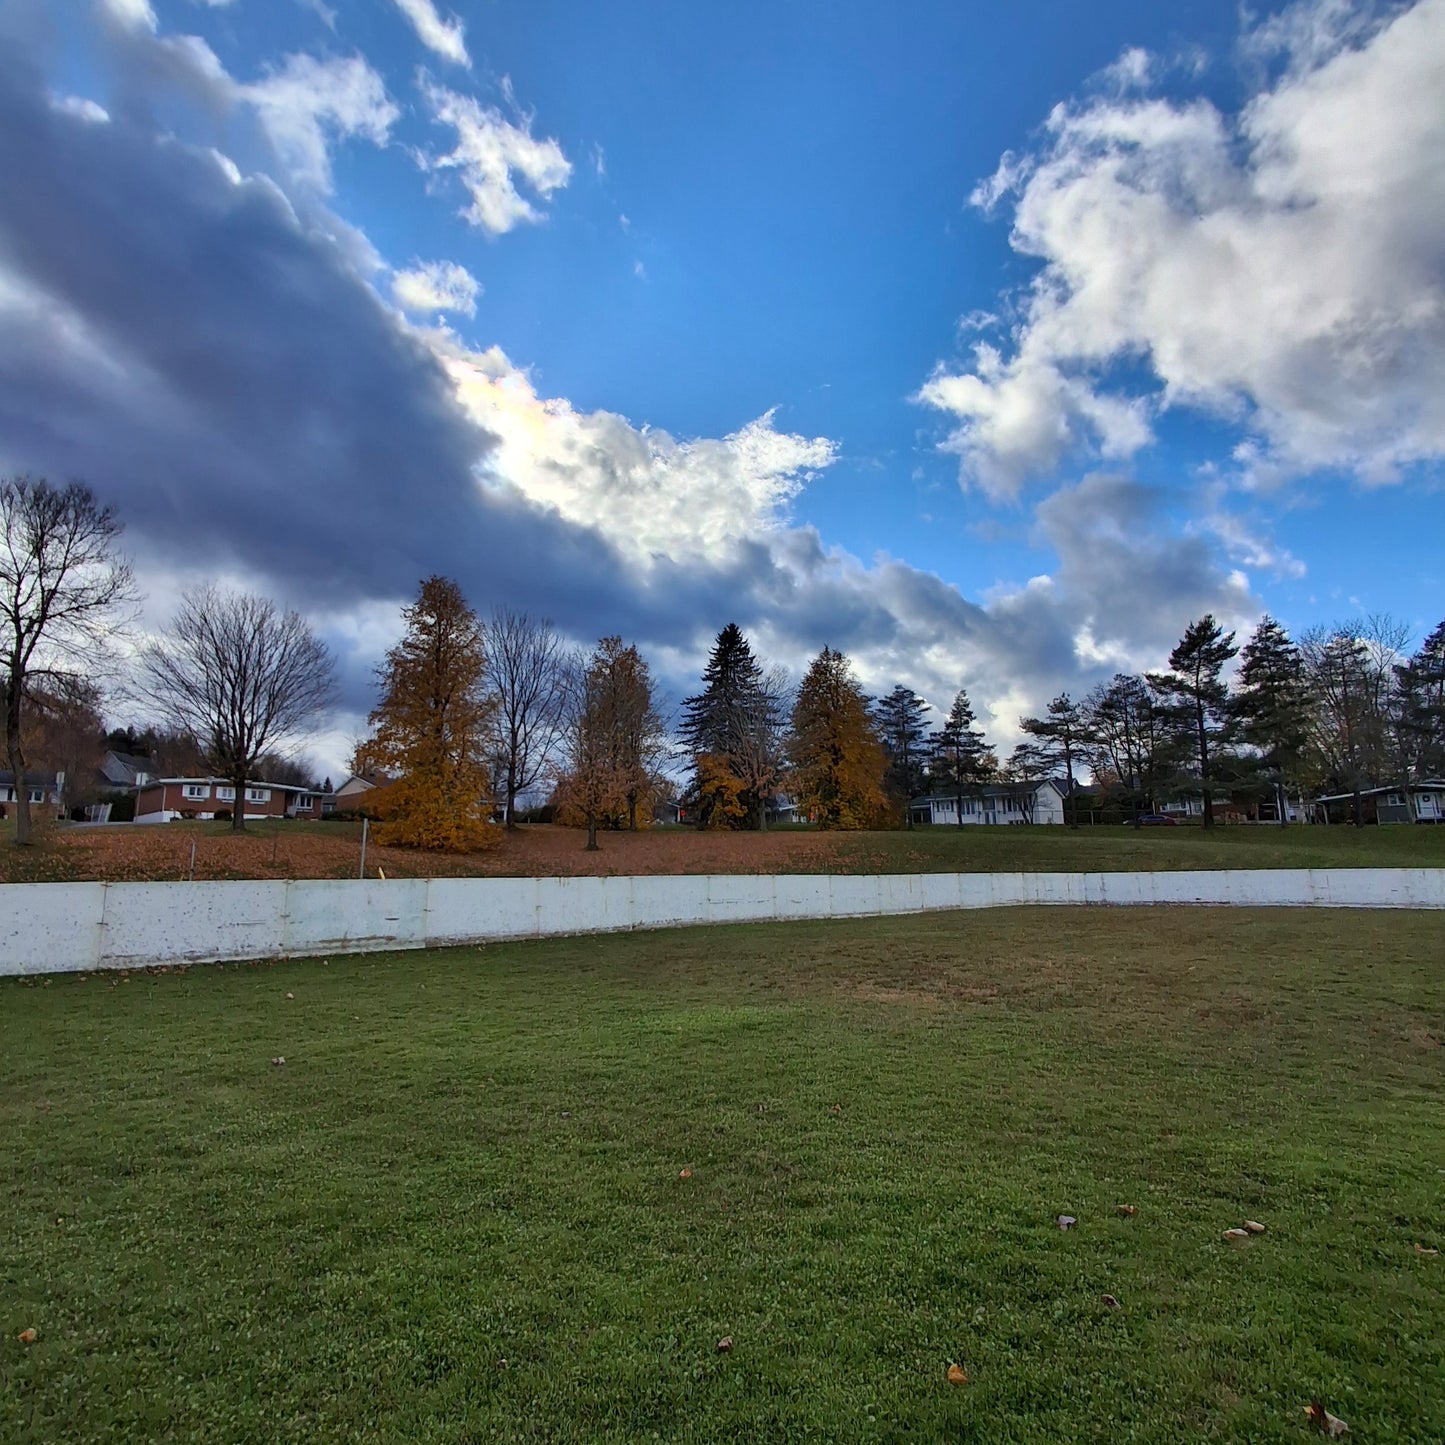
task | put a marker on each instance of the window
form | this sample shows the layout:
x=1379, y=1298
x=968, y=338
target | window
x=1394, y=801
x=305, y=802
x=258, y=795
x=195, y=790
x=37, y=795
x=226, y=795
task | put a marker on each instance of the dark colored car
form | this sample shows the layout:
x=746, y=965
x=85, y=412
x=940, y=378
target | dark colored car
x=1155, y=820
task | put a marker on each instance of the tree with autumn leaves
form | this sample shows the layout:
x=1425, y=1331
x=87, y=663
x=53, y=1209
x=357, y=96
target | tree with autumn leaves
x=433, y=726
x=837, y=760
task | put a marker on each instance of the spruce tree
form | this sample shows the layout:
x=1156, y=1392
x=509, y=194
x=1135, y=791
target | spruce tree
x=836, y=756
x=1272, y=703
x=725, y=722
x=904, y=734
x=1198, y=700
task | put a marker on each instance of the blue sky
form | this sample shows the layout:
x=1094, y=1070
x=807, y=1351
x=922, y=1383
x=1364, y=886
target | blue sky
x=990, y=343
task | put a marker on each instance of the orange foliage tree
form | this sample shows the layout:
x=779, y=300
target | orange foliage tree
x=432, y=726
x=838, y=762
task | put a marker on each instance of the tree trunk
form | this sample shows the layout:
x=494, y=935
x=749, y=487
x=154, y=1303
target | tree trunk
x=512, y=791
x=1204, y=768
x=1279, y=802
x=591, y=833
x=238, y=810
x=16, y=755
x=958, y=803
x=1358, y=805
x=762, y=813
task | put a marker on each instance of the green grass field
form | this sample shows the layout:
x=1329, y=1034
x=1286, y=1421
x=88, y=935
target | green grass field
x=456, y=1213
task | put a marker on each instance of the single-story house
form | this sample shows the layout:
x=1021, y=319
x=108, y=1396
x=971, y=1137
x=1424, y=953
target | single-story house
x=1388, y=804
x=124, y=771
x=1040, y=802
x=163, y=800
x=43, y=789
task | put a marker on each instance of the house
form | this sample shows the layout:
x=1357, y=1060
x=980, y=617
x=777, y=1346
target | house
x=162, y=800
x=1388, y=804
x=124, y=771
x=1040, y=802
x=43, y=789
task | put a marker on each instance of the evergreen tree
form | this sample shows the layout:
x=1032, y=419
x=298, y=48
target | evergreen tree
x=961, y=757
x=1062, y=734
x=1422, y=706
x=1272, y=704
x=1338, y=670
x=735, y=720
x=1194, y=691
x=836, y=757
x=904, y=734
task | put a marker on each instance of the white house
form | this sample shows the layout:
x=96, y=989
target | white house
x=1041, y=802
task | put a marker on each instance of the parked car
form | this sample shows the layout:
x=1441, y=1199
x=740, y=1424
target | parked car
x=1155, y=820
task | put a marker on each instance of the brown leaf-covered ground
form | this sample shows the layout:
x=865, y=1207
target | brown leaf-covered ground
x=131, y=852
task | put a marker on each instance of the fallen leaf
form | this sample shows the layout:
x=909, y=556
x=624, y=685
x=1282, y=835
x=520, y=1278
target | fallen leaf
x=725, y=1344
x=1254, y=1226
x=835, y=1109
x=1066, y=1221
x=1425, y=1249
x=1236, y=1234
x=1111, y=1302
x=957, y=1375
x=290, y=995
x=1127, y=1210
x=278, y=1061
x=1321, y=1418
x=27, y=1337
x=381, y=873
x=566, y=1113
x=684, y=1173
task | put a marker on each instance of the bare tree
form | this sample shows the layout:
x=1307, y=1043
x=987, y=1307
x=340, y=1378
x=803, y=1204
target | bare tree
x=64, y=592
x=242, y=677
x=526, y=671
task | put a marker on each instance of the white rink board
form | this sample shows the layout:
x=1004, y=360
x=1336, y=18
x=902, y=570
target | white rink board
x=73, y=927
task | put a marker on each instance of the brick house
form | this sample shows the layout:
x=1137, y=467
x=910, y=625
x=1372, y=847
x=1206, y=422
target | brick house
x=166, y=799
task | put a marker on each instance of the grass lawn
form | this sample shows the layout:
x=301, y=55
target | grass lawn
x=457, y=1212
x=332, y=850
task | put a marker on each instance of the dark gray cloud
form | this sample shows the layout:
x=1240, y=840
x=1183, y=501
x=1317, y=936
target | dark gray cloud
x=204, y=348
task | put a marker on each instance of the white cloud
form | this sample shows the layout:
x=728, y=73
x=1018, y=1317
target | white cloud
x=489, y=156
x=652, y=495
x=1283, y=268
x=305, y=104
x=81, y=107
x=433, y=286
x=133, y=14
x=446, y=37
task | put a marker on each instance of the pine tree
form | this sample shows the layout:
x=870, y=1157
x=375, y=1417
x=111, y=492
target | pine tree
x=1126, y=738
x=961, y=757
x=431, y=727
x=1422, y=706
x=1062, y=734
x=1195, y=692
x=904, y=734
x=737, y=717
x=1272, y=704
x=836, y=757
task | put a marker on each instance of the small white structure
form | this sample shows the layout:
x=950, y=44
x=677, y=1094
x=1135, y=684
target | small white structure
x=994, y=803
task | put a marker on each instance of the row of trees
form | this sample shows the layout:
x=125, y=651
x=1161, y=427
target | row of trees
x=475, y=716
x=1340, y=710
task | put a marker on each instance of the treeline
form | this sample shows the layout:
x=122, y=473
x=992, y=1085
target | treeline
x=477, y=718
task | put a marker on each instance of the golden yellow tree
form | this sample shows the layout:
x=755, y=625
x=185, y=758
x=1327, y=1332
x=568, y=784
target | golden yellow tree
x=838, y=762
x=431, y=727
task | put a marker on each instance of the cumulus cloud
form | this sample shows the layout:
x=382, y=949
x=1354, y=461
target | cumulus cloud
x=446, y=37
x=306, y=104
x=1282, y=267
x=433, y=286
x=490, y=156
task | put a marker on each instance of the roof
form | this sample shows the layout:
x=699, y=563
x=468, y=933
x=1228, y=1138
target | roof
x=227, y=783
x=1425, y=785
x=32, y=780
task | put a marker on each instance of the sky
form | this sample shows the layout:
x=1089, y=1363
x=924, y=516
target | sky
x=990, y=344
